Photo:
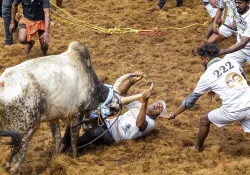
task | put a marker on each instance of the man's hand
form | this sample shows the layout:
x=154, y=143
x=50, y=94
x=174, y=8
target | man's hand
x=234, y=26
x=138, y=76
x=169, y=116
x=45, y=37
x=12, y=26
x=146, y=94
x=216, y=28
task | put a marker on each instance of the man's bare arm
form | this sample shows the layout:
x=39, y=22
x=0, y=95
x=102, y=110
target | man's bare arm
x=236, y=47
x=13, y=16
x=47, y=24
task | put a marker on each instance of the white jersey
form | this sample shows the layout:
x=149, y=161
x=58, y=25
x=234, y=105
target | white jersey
x=232, y=14
x=225, y=79
x=244, y=31
x=125, y=126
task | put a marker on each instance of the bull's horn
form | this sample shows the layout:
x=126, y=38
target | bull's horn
x=120, y=80
x=126, y=100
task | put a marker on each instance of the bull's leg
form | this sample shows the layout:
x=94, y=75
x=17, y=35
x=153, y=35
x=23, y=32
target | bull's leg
x=56, y=134
x=75, y=127
x=7, y=166
x=20, y=151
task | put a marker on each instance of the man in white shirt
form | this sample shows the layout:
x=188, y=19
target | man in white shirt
x=229, y=27
x=226, y=78
x=241, y=50
x=212, y=13
x=136, y=122
x=238, y=15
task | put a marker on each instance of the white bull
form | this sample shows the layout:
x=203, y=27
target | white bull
x=50, y=88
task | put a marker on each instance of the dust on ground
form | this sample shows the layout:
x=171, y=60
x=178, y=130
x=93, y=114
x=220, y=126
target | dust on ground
x=170, y=62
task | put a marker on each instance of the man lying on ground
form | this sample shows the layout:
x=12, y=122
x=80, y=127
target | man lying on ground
x=226, y=78
x=136, y=122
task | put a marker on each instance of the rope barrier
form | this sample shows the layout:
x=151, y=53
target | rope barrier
x=117, y=30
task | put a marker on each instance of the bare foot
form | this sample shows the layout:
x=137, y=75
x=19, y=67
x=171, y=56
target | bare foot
x=7, y=45
x=196, y=149
x=29, y=47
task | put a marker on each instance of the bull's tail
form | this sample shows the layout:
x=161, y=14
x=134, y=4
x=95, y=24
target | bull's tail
x=15, y=137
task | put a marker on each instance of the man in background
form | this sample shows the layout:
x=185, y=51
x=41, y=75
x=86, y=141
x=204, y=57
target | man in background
x=6, y=15
x=36, y=19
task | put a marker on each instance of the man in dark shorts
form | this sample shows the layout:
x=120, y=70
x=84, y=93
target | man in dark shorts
x=36, y=19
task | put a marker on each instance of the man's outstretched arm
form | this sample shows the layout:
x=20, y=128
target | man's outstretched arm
x=187, y=103
x=236, y=47
x=13, y=16
x=124, y=87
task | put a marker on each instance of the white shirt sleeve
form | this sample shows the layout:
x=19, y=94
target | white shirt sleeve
x=201, y=86
x=246, y=33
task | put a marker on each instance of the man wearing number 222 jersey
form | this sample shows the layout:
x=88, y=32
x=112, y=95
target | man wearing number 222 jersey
x=225, y=78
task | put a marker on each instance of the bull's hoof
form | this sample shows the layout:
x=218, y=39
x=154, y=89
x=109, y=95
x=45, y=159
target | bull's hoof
x=14, y=171
x=6, y=166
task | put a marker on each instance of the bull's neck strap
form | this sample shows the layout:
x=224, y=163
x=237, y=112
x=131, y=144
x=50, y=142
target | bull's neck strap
x=105, y=111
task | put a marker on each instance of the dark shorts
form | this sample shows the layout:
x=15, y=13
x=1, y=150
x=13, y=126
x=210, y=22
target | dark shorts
x=23, y=26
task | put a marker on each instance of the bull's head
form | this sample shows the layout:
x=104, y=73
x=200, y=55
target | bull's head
x=117, y=100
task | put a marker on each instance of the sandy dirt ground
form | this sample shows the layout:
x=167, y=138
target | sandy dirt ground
x=170, y=62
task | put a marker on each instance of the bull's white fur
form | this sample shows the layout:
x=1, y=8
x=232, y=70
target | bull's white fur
x=59, y=75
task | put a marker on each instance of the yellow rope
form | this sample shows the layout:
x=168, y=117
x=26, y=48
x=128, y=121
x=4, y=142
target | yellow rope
x=77, y=24
x=99, y=119
x=116, y=30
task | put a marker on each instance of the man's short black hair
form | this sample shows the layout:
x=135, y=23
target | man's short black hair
x=209, y=50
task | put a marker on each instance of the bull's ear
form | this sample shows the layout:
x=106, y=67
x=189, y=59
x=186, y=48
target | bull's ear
x=120, y=80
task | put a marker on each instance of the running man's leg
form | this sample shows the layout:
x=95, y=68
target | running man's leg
x=203, y=131
x=44, y=45
x=23, y=38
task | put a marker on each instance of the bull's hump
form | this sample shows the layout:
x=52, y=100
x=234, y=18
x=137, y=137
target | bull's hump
x=79, y=52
